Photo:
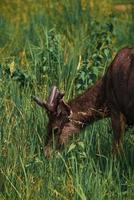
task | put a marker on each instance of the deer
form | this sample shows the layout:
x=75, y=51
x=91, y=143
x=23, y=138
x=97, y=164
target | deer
x=112, y=96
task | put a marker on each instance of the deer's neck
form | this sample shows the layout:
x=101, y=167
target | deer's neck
x=90, y=105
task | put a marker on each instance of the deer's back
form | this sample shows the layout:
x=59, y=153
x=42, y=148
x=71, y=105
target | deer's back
x=120, y=84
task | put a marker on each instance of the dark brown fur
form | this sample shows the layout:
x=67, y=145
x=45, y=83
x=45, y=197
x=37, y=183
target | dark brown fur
x=112, y=96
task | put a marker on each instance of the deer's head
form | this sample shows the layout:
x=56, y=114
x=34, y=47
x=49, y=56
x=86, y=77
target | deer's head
x=59, y=125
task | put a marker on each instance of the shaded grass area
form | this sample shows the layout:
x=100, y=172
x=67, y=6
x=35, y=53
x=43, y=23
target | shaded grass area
x=71, y=50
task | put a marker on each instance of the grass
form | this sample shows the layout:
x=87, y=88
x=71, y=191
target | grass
x=58, y=49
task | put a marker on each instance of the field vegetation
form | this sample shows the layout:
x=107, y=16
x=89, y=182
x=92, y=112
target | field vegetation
x=68, y=44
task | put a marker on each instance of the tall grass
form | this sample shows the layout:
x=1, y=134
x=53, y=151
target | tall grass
x=58, y=48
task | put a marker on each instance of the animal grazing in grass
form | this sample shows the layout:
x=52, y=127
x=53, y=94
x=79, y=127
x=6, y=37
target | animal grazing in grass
x=112, y=96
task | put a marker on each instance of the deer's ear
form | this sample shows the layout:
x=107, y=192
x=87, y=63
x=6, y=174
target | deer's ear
x=64, y=108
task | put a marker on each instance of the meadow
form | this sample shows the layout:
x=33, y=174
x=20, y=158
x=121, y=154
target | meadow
x=68, y=44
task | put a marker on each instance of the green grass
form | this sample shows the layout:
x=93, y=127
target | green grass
x=70, y=51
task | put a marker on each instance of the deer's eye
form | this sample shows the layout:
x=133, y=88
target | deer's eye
x=55, y=130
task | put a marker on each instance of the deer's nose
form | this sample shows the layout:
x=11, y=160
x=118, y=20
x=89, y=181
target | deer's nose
x=48, y=152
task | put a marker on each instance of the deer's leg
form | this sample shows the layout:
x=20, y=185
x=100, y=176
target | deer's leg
x=118, y=125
